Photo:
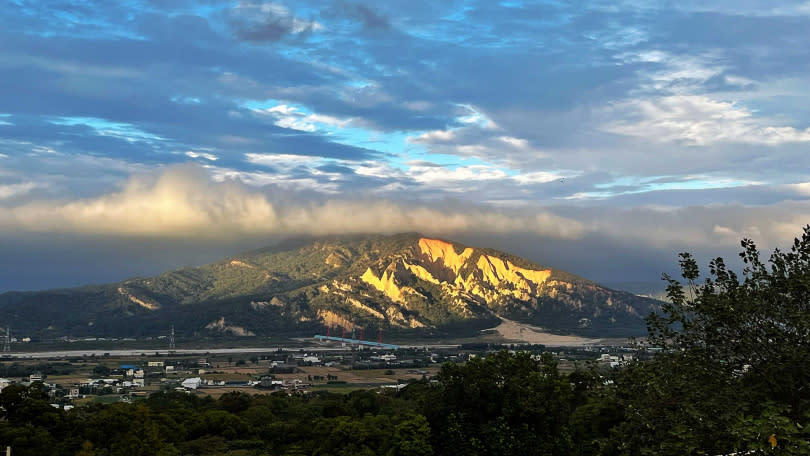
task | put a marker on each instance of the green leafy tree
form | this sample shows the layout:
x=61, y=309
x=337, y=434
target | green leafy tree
x=503, y=404
x=412, y=437
x=101, y=371
x=732, y=372
x=87, y=449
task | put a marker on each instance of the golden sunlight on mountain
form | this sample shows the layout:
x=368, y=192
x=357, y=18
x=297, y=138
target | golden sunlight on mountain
x=440, y=250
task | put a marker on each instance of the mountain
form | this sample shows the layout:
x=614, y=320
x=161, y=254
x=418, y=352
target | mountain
x=404, y=282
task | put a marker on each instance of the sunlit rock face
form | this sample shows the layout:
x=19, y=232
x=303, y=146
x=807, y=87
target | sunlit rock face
x=474, y=283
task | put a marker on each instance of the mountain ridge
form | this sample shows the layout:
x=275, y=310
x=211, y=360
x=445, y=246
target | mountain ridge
x=406, y=282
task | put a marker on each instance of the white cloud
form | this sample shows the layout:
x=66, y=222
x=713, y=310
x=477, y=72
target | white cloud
x=284, y=179
x=678, y=74
x=284, y=161
x=802, y=188
x=474, y=116
x=185, y=201
x=488, y=143
x=433, y=136
x=537, y=177
x=205, y=155
x=450, y=178
x=295, y=118
x=517, y=143
x=377, y=169
x=282, y=109
x=259, y=14
x=704, y=228
x=472, y=120
x=11, y=190
x=698, y=121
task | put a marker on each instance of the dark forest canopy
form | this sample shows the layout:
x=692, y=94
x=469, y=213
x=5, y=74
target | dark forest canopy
x=730, y=376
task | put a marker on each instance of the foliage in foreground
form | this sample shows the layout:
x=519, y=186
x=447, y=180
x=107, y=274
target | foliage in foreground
x=730, y=377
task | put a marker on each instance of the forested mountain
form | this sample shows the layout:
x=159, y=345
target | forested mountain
x=405, y=282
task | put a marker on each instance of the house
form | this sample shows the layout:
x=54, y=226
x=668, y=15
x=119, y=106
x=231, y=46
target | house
x=310, y=359
x=191, y=383
x=270, y=383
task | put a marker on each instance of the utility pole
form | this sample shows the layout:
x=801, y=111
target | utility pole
x=7, y=341
x=171, y=341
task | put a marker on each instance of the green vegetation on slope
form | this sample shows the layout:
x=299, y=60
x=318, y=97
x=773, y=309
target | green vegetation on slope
x=306, y=283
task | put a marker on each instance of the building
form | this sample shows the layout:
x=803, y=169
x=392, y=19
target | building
x=311, y=359
x=191, y=383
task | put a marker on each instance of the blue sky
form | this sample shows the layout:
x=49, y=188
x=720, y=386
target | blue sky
x=585, y=130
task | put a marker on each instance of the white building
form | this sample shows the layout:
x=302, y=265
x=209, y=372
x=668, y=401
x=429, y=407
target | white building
x=192, y=383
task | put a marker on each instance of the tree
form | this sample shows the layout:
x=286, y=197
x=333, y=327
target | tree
x=87, y=449
x=503, y=404
x=101, y=371
x=412, y=437
x=732, y=371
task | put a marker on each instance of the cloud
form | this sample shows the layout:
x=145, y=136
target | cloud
x=12, y=190
x=185, y=201
x=262, y=22
x=205, y=155
x=294, y=118
x=366, y=16
x=697, y=228
x=697, y=120
x=283, y=161
x=802, y=188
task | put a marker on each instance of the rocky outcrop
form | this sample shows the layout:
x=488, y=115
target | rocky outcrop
x=221, y=326
x=146, y=304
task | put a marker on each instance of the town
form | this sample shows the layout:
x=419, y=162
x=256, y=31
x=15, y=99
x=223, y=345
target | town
x=72, y=379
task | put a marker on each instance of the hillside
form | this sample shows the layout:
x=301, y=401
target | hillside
x=401, y=282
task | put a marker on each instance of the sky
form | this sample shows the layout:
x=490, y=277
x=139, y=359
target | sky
x=600, y=137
